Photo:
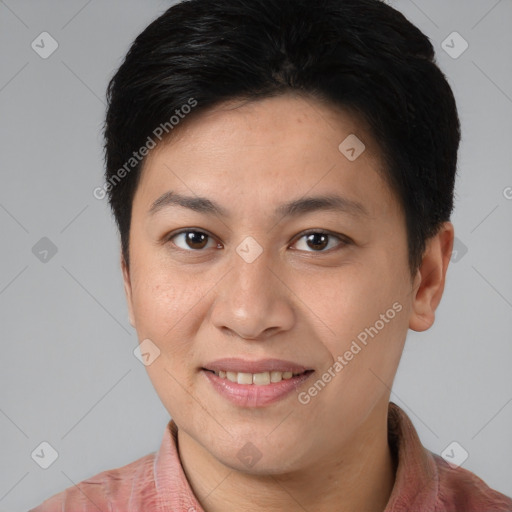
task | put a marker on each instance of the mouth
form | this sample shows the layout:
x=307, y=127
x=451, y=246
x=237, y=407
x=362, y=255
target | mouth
x=255, y=383
x=257, y=379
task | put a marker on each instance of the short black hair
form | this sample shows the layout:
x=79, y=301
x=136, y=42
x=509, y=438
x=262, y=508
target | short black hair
x=361, y=55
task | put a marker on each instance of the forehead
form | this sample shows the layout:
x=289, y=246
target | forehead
x=266, y=149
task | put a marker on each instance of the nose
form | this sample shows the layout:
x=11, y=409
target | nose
x=253, y=301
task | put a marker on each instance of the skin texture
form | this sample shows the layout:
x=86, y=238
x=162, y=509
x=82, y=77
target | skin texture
x=296, y=302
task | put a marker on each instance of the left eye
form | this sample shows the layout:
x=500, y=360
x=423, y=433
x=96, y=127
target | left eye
x=319, y=240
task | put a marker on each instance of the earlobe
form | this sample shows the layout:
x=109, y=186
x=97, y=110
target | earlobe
x=127, y=289
x=430, y=279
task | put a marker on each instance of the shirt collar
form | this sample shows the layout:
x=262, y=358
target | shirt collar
x=416, y=479
x=172, y=488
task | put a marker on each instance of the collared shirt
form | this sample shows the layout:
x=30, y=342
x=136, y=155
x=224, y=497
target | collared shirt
x=424, y=481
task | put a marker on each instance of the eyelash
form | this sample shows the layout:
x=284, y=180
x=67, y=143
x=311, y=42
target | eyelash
x=344, y=240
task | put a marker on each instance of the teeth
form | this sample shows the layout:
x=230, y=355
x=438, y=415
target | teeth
x=244, y=378
x=258, y=379
x=276, y=376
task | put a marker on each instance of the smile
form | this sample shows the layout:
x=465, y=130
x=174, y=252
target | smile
x=250, y=390
x=257, y=379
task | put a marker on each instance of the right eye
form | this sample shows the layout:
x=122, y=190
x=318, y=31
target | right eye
x=191, y=240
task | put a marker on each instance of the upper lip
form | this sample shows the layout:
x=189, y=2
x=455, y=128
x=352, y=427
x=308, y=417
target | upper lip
x=233, y=364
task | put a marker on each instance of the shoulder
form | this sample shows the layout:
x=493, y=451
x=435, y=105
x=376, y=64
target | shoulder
x=122, y=487
x=460, y=489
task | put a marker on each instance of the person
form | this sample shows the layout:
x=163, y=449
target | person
x=282, y=176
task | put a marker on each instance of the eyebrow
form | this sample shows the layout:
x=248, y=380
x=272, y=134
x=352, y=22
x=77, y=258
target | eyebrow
x=292, y=208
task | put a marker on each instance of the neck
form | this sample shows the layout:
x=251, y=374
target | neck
x=359, y=477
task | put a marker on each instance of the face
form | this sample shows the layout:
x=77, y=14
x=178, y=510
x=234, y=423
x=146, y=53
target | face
x=241, y=280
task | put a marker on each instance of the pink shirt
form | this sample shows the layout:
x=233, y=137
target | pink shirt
x=156, y=482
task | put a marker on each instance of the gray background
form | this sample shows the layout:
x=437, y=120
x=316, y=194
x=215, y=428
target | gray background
x=68, y=373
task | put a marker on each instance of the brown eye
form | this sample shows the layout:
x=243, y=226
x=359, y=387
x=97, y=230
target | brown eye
x=190, y=240
x=317, y=241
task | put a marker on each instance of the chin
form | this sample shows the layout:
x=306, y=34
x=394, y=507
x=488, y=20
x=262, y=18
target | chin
x=260, y=456
x=262, y=467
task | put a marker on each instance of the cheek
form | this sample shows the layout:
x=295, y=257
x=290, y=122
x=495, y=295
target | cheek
x=165, y=308
x=344, y=302
x=364, y=320
x=157, y=306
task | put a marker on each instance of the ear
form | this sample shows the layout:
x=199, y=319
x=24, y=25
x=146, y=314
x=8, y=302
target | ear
x=128, y=289
x=430, y=279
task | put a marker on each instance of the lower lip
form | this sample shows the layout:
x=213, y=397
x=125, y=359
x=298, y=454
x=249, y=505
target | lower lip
x=251, y=395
